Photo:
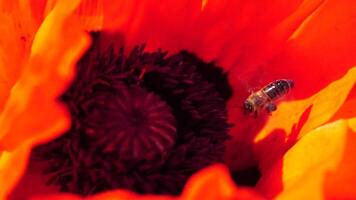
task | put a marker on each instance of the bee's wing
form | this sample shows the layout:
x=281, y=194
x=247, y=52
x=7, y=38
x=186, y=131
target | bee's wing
x=253, y=89
x=248, y=85
x=256, y=78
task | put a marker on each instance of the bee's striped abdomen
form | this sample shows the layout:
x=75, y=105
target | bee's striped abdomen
x=278, y=88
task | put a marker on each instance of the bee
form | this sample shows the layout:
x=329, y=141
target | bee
x=265, y=98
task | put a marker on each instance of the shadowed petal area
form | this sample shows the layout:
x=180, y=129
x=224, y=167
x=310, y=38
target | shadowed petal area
x=320, y=165
x=31, y=113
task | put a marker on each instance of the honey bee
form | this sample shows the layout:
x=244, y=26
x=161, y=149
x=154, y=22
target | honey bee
x=265, y=98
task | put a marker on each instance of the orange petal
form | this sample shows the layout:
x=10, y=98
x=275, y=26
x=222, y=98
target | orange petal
x=294, y=119
x=89, y=13
x=348, y=109
x=31, y=113
x=320, y=165
x=214, y=183
x=45, y=76
x=340, y=183
x=37, y=7
x=12, y=165
x=17, y=31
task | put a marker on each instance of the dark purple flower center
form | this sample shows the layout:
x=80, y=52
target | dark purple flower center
x=130, y=122
x=142, y=121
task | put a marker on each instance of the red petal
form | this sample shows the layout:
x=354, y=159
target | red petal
x=229, y=31
x=319, y=52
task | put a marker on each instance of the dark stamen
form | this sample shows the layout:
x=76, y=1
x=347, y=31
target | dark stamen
x=143, y=127
x=145, y=122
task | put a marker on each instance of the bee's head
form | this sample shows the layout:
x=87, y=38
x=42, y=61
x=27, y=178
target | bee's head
x=248, y=107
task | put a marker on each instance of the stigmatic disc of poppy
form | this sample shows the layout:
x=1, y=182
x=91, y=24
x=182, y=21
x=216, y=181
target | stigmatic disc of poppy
x=142, y=121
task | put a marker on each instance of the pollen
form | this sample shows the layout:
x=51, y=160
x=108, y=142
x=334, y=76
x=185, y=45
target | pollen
x=143, y=121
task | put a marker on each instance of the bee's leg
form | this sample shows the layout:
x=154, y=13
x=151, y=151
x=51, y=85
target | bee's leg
x=271, y=107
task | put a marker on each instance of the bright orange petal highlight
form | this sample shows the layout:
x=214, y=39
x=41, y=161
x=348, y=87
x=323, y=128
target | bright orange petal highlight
x=12, y=165
x=341, y=183
x=46, y=75
x=320, y=165
x=31, y=113
x=294, y=119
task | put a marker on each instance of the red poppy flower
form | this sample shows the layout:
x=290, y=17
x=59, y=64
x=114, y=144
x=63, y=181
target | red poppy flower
x=172, y=111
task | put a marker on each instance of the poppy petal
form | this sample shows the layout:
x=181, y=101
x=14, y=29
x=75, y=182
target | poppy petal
x=320, y=165
x=226, y=31
x=88, y=12
x=303, y=58
x=214, y=182
x=31, y=113
x=318, y=52
x=12, y=165
x=38, y=7
x=348, y=109
x=47, y=73
x=294, y=119
x=17, y=30
x=340, y=183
